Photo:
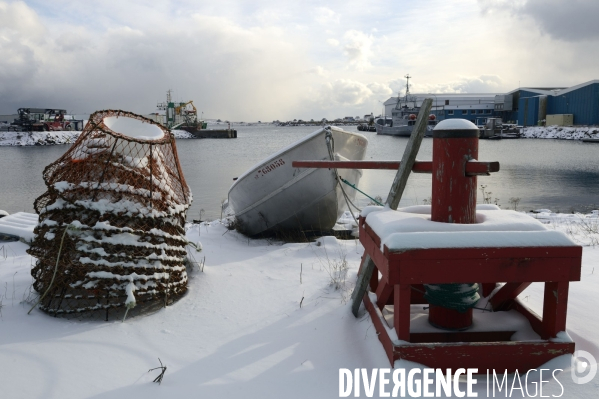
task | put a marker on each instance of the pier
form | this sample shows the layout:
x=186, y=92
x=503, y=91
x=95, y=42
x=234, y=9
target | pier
x=213, y=133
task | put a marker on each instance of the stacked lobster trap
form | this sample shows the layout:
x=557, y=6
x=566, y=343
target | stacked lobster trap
x=111, y=224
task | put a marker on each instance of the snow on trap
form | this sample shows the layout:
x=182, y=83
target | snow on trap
x=111, y=225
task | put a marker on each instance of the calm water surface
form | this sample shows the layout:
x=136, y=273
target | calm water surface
x=555, y=174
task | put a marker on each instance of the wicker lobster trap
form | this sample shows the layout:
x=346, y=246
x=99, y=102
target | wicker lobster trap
x=111, y=223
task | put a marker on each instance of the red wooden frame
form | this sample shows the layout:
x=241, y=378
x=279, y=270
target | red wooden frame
x=473, y=168
x=403, y=271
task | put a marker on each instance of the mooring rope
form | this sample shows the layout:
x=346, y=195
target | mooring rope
x=331, y=148
x=460, y=297
x=362, y=192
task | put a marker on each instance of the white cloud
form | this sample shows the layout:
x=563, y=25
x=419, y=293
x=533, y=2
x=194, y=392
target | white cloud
x=270, y=60
x=318, y=70
x=358, y=48
x=474, y=84
x=326, y=16
x=349, y=93
x=380, y=89
x=462, y=84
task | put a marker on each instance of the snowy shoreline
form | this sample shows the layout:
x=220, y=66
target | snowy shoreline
x=261, y=319
x=65, y=137
x=23, y=139
x=561, y=132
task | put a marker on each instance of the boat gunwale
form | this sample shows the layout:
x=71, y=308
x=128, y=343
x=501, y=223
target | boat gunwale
x=286, y=150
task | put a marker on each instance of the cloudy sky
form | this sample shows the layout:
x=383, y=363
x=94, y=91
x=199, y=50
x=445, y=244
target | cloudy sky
x=270, y=59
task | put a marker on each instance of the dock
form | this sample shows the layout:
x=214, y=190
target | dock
x=212, y=133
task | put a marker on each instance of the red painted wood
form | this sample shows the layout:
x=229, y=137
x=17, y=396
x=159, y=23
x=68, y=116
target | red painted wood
x=373, y=236
x=534, y=319
x=401, y=310
x=383, y=293
x=417, y=297
x=374, y=280
x=498, y=356
x=520, y=253
x=506, y=294
x=461, y=336
x=485, y=265
x=555, y=308
x=380, y=328
x=371, y=248
x=488, y=288
x=454, y=193
x=492, y=270
x=473, y=168
x=477, y=168
x=449, y=319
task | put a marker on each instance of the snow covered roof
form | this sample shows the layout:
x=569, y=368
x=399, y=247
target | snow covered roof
x=554, y=91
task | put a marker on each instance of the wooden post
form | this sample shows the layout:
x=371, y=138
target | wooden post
x=397, y=189
x=401, y=311
x=409, y=155
x=555, y=307
x=362, y=283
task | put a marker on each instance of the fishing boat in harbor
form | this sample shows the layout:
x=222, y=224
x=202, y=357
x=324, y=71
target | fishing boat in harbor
x=275, y=197
x=403, y=117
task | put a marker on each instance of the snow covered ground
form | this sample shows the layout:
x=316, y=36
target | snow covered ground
x=54, y=138
x=263, y=319
x=561, y=132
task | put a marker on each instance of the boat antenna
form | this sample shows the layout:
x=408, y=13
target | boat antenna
x=407, y=86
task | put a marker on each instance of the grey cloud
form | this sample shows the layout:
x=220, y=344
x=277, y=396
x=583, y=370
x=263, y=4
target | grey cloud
x=572, y=20
x=230, y=72
x=568, y=20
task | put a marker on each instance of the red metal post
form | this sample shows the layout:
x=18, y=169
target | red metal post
x=455, y=142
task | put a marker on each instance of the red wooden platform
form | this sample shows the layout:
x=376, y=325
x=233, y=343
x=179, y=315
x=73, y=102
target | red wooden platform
x=400, y=272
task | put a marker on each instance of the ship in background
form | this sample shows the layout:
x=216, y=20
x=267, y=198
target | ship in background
x=180, y=116
x=184, y=116
x=403, y=117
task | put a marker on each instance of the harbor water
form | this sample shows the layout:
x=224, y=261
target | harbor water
x=561, y=175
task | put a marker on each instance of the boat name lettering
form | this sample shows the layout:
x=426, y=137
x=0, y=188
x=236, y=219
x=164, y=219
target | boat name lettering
x=269, y=168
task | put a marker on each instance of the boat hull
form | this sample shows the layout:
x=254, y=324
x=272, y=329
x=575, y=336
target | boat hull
x=275, y=197
x=401, y=131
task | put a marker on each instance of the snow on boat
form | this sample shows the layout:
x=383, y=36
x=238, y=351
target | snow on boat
x=275, y=197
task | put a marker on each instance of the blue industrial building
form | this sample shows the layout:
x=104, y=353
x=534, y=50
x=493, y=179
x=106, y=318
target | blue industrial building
x=526, y=106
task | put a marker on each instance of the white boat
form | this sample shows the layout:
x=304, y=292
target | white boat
x=273, y=196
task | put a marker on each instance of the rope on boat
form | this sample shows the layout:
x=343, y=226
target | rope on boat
x=361, y=192
x=331, y=148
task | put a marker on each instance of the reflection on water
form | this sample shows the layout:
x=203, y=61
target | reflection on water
x=554, y=174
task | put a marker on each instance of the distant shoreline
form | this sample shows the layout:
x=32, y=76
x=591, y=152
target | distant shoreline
x=24, y=139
